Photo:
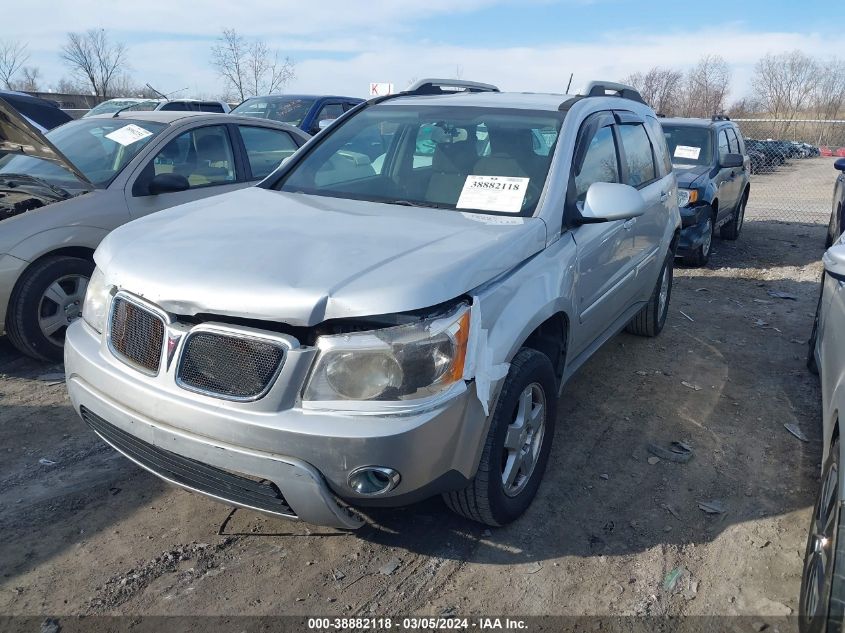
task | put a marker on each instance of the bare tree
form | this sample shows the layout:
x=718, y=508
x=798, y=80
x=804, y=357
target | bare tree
x=13, y=55
x=785, y=84
x=31, y=79
x=68, y=86
x=659, y=88
x=829, y=92
x=94, y=58
x=745, y=107
x=705, y=88
x=249, y=68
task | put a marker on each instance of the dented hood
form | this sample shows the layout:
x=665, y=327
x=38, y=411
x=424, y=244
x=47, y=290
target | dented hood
x=302, y=259
x=19, y=136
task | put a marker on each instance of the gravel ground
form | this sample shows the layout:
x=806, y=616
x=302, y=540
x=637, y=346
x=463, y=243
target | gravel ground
x=87, y=532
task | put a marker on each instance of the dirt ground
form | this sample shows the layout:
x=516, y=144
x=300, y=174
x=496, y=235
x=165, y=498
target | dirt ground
x=87, y=532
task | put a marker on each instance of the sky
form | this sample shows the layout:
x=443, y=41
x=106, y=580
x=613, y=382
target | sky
x=340, y=46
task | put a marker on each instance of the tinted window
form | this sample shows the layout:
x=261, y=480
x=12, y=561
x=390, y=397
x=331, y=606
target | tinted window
x=177, y=106
x=330, y=112
x=658, y=142
x=688, y=144
x=100, y=149
x=600, y=162
x=266, y=148
x=445, y=144
x=724, y=146
x=211, y=106
x=202, y=155
x=733, y=142
x=284, y=109
x=638, y=155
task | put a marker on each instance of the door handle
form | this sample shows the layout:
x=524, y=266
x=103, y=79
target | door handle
x=629, y=223
x=664, y=195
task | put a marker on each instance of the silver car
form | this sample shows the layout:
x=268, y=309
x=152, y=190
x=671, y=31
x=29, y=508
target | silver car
x=822, y=590
x=356, y=332
x=62, y=192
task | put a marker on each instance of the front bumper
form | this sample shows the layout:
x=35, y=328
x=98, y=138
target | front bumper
x=10, y=271
x=306, y=454
x=693, y=228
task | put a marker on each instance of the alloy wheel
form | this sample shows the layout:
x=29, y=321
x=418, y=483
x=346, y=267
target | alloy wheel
x=524, y=439
x=821, y=548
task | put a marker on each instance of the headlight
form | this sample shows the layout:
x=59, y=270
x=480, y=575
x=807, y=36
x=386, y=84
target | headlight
x=96, y=301
x=402, y=363
x=687, y=196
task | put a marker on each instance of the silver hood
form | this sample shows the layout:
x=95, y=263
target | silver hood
x=19, y=136
x=302, y=259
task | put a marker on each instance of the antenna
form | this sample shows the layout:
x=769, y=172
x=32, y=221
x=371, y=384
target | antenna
x=569, y=85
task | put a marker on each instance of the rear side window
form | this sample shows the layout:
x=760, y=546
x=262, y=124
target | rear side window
x=600, y=162
x=638, y=154
x=211, y=106
x=265, y=148
x=661, y=149
x=732, y=140
x=176, y=106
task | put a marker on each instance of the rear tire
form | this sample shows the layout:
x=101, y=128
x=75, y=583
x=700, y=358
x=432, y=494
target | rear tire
x=490, y=498
x=651, y=319
x=732, y=229
x=48, y=295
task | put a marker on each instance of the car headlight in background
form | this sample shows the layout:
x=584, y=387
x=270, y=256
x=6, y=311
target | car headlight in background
x=402, y=363
x=687, y=196
x=97, y=297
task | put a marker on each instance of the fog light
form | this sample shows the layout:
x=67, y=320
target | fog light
x=373, y=480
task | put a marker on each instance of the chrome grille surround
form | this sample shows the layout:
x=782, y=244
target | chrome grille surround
x=136, y=333
x=231, y=363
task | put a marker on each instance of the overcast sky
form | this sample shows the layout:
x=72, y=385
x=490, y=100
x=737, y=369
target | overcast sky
x=341, y=45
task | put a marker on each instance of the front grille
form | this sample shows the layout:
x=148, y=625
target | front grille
x=136, y=335
x=198, y=476
x=229, y=366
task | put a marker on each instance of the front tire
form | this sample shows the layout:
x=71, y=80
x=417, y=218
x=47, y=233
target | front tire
x=517, y=446
x=651, y=319
x=701, y=255
x=819, y=588
x=47, y=298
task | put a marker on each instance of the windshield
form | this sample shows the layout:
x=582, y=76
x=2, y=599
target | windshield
x=285, y=109
x=99, y=148
x=113, y=105
x=689, y=144
x=474, y=159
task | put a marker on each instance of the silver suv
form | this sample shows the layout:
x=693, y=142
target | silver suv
x=390, y=315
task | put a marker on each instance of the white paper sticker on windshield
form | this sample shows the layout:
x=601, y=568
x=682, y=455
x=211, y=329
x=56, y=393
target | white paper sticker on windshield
x=128, y=134
x=685, y=151
x=493, y=193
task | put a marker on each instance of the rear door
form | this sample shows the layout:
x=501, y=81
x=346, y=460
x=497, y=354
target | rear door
x=605, y=270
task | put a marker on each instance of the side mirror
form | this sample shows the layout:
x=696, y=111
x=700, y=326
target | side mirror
x=168, y=183
x=839, y=164
x=732, y=160
x=607, y=202
x=834, y=261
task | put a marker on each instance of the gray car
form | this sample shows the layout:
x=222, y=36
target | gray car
x=62, y=192
x=356, y=332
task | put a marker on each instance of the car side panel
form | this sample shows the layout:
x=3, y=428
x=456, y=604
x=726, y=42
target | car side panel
x=831, y=355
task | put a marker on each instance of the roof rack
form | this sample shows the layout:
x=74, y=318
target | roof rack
x=720, y=117
x=612, y=89
x=430, y=86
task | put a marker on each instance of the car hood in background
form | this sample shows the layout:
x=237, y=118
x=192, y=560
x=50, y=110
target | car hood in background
x=18, y=136
x=688, y=174
x=301, y=259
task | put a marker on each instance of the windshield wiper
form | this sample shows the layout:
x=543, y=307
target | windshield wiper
x=410, y=203
x=62, y=193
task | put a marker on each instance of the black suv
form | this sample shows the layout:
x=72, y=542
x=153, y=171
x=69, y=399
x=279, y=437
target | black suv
x=712, y=167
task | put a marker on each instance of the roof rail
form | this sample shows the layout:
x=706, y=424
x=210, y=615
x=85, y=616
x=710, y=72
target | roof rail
x=602, y=88
x=720, y=117
x=432, y=86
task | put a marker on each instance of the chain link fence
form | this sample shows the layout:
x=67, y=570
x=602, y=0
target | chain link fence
x=792, y=174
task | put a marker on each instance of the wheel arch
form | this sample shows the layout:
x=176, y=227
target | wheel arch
x=551, y=338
